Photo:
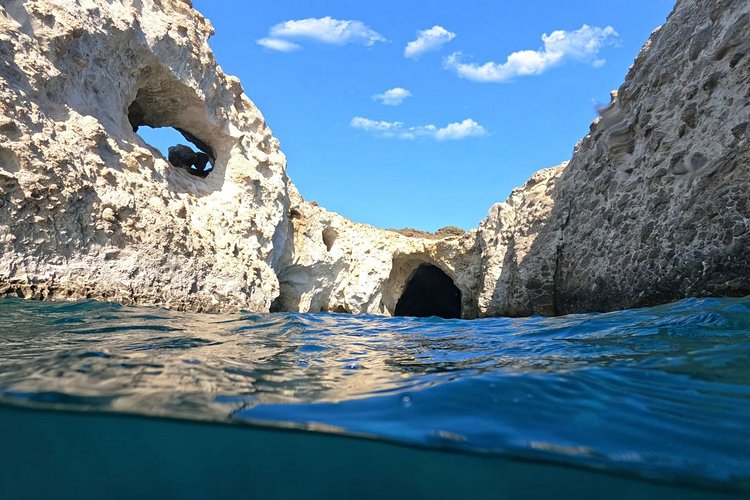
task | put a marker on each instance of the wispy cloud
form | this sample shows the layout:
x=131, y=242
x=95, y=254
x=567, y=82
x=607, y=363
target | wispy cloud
x=392, y=97
x=396, y=130
x=278, y=44
x=374, y=125
x=581, y=45
x=324, y=30
x=428, y=40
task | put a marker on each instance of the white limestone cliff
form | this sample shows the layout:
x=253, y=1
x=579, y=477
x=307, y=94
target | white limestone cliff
x=334, y=264
x=87, y=209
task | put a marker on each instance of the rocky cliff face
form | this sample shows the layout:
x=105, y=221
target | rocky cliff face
x=517, y=278
x=87, y=209
x=665, y=211
x=652, y=206
x=333, y=264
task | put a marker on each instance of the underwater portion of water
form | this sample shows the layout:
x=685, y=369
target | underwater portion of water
x=660, y=394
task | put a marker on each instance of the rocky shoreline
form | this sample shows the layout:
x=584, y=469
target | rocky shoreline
x=652, y=207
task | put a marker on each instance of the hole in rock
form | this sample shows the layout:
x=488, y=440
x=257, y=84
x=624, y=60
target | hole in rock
x=171, y=143
x=329, y=238
x=430, y=292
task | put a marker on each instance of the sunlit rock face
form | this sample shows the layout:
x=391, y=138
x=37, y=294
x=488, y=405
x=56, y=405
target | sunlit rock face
x=334, y=264
x=515, y=243
x=87, y=209
x=652, y=207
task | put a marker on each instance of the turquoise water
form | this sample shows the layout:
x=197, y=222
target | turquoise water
x=648, y=403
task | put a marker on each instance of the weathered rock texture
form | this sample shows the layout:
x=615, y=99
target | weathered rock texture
x=514, y=280
x=652, y=207
x=87, y=209
x=333, y=264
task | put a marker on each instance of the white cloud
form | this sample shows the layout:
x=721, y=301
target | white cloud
x=582, y=45
x=327, y=30
x=278, y=44
x=392, y=97
x=456, y=131
x=452, y=131
x=427, y=40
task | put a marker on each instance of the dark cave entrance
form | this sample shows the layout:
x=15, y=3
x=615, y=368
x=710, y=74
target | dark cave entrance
x=430, y=292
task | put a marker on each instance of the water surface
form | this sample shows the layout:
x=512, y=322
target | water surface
x=659, y=396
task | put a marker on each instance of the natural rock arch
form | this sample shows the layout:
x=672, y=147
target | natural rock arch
x=429, y=292
x=160, y=100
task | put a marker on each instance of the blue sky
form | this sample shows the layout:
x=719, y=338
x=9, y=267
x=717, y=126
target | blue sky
x=433, y=134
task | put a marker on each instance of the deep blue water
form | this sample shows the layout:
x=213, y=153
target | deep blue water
x=641, y=403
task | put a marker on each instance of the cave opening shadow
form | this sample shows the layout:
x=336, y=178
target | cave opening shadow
x=430, y=292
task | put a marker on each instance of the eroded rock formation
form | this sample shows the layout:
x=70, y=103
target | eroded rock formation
x=87, y=209
x=652, y=207
x=515, y=246
x=334, y=264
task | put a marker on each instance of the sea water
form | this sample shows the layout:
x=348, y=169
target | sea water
x=100, y=400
